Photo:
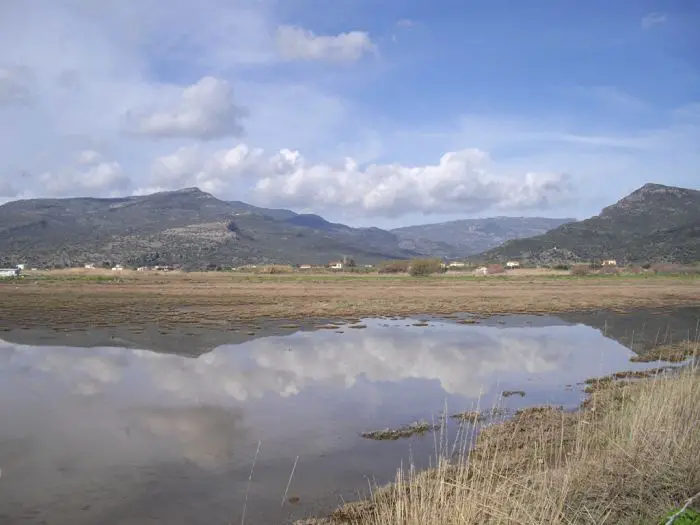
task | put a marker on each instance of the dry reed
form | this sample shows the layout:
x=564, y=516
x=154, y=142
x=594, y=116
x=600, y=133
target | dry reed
x=630, y=456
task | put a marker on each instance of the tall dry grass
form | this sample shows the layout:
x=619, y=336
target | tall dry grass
x=629, y=456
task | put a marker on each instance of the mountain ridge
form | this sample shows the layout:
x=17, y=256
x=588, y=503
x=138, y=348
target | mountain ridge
x=187, y=227
x=464, y=237
x=194, y=229
x=654, y=223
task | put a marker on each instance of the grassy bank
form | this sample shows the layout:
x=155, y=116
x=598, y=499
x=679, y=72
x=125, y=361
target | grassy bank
x=631, y=455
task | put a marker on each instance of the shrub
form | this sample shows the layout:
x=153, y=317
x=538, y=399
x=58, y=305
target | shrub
x=561, y=267
x=634, y=269
x=689, y=517
x=580, y=269
x=674, y=269
x=425, y=267
x=495, y=269
x=609, y=270
x=395, y=267
x=274, y=269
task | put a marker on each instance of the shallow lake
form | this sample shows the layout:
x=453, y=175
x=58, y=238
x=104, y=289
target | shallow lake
x=119, y=436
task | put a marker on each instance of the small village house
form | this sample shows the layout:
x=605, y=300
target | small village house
x=335, y=265
x=482, y=270
x=610, y=262
x=512, y=264
x=10, y=272
x=305, y=266
x=456, y=264
x=117, y=268
x=89, y=266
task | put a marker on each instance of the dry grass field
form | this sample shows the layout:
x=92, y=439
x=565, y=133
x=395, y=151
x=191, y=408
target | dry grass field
x=107, y=298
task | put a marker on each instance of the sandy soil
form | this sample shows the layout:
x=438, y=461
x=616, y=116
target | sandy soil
x=224, y=299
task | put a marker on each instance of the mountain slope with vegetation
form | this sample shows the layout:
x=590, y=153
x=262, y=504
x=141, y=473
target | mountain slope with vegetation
x=185, y=227
x=467, y=237
x=655, y=223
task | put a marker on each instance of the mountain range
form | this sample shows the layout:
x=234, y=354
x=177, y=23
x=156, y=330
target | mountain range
x=655, y=223
x=194, y=229
x=456, y=239
x=185, y=227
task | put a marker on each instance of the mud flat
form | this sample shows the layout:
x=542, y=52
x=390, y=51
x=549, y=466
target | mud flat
x=222, y=301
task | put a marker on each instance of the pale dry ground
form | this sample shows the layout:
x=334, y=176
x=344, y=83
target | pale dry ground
x=105, y=298
x=631, y=455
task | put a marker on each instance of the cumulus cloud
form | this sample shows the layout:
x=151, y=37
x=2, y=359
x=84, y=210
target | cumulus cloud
x=88, y=157
x=7, y=191
x=89, y=174
x=295, y=43
x=15, y=86
x=463, y=181
x=206, y=110
x=652, y=19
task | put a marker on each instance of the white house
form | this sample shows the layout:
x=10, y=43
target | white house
x=89, y=266
x=481, y=271
x=10, y=272
x=117, y=268
x=304, y=266
x=610, y=262
x=457, y=264
x=512, y=264
x=335, y=265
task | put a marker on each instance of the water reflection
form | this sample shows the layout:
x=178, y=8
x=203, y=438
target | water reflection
x=462, y=360
x=91, y=433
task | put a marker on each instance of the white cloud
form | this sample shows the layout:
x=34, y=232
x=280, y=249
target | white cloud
x=614, y=97
x=88, y=157
x=462, y=181
x=206, y=110
x=295, y=43
x=216, y=172
x=15, y=86
x=405, y=23
x=90, y=174
x=652, y=19
x=7, y=191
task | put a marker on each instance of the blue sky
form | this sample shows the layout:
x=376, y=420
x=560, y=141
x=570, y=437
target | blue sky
x=369, y=112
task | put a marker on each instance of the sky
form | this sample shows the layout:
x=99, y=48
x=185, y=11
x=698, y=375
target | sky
x=367, y=112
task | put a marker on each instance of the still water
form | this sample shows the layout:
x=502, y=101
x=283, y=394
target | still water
x=123, y=436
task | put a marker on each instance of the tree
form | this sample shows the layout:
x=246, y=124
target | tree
x=425, y=267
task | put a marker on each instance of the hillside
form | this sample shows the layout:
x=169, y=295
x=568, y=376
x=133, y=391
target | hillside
x=655, y=223
x=187, y=227
x=471, y=236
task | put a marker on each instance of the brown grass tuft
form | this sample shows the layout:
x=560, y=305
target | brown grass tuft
x=580, y=270
x=673, y=353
